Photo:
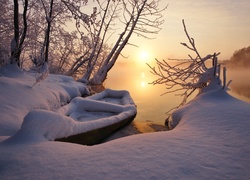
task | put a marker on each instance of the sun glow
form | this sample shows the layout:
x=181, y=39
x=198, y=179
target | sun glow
x=143, y=83
x=143, y=56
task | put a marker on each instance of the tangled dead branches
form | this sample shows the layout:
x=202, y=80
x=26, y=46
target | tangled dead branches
x=188, y=75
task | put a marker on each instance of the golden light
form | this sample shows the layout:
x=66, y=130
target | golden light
x=143, y=56
x=143, y=84
x=142, y=75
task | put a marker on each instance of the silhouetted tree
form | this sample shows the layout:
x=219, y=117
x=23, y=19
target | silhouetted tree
x=187, y=76
x=87, y=49
x=17, y=42
x=139, y=17
x=240, y=58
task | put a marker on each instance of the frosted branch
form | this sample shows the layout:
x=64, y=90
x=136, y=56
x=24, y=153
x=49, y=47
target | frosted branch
x=187, y=75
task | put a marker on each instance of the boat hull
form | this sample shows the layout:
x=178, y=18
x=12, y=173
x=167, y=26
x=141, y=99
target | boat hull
x=119, y=103
x=96, y=136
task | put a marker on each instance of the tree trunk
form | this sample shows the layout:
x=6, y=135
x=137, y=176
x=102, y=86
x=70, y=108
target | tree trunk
x=49, y=20
x=14, y=43
x=101, y=75
x=25, y=26
x=92, y=62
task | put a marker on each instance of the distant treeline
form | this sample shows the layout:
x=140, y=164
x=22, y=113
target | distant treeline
x=241, y=89
x=240, y=58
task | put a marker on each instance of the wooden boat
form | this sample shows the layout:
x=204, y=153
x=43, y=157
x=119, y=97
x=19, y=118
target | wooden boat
x=102, y=114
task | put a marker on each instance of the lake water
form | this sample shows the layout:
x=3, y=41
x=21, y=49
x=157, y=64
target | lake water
x=151, y=106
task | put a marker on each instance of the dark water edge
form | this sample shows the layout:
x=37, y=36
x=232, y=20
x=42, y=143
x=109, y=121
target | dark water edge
x=150, y=127
x=147, y=126
x=132, y=128
x=137, y=128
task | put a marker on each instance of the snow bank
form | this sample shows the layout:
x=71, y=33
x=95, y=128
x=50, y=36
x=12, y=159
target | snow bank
x=41, y=125
x=211, y=140
x=18, y=97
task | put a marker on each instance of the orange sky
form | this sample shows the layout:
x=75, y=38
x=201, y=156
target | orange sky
x=217, y=26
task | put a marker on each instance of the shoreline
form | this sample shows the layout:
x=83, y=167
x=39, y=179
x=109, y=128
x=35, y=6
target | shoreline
x=136, y=127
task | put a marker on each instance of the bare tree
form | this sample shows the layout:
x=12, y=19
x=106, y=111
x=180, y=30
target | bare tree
x=48, y=14
x=88, y=52
x=6, y=29
x=138, y=17
x=17, y=42
x=136, y=21
x=43, y=69
x=99, y=41
x=240, y=58
x=187, y=76
x=85, y=26
x=64, y=47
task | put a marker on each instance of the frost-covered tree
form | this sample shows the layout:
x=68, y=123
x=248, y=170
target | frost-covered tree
x=99, y=37
x=40, y=26
x=188, y=75
x=6, y=30
x=48, y=9
x=89, y=30
x=65, y=47
x=43, y=33
x=134, y=17
x=139, y=17
x=22, y=25
x=19, y=36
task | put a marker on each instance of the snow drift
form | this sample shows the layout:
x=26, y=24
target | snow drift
x=18, y=97
x=211, y=140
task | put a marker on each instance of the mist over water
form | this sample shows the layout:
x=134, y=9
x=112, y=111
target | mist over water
x=151, y=106
x=240, y=86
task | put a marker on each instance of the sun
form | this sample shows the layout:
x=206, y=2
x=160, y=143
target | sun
x=143, y=56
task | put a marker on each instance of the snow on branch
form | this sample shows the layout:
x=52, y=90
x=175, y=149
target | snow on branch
x=185, y=76
x=43, y=72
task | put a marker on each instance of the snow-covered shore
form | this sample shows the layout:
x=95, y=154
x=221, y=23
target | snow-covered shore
x=18, y=97
x=211, y=139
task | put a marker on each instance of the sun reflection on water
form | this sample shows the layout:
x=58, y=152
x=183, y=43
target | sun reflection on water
x=151, y=107
x=143, y=83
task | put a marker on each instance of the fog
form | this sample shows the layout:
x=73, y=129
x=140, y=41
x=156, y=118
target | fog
x=240, y=86
x=135, y=77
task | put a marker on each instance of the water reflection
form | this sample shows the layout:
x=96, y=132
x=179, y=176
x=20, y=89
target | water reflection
x=151, y=106
x=240, y=86
x=143, y=82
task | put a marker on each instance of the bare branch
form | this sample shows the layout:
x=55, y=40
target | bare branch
x=186, y=76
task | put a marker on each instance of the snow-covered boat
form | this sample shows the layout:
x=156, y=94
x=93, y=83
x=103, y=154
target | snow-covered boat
x=98, y=116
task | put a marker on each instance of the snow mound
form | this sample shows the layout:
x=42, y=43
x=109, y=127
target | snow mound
x=66, y=121
x=210, y=138
x=212, y=141
x=18, y=97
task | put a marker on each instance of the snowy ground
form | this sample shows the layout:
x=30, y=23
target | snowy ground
x=211, y=139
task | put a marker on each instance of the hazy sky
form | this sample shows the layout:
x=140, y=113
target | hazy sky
x=216, y=25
